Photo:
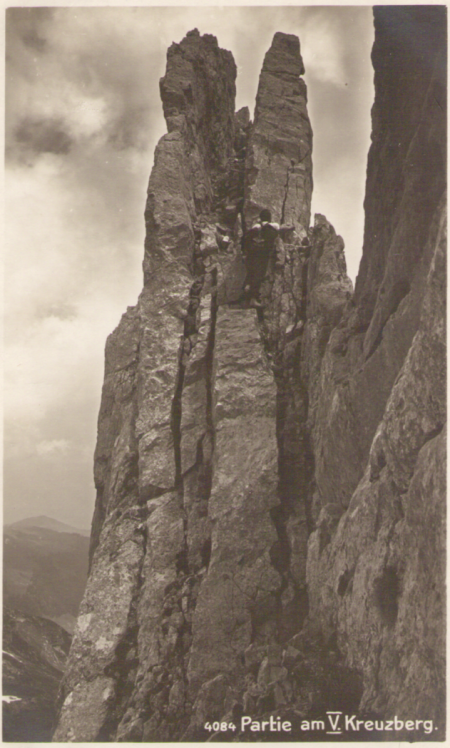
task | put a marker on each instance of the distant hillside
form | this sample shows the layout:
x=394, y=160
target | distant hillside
x=34, y=654
x=44, y=569
x=49, y=524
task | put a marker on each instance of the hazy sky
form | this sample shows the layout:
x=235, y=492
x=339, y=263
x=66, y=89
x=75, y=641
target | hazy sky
x=83, y=115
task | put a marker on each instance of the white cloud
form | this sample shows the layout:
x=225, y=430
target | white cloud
x=73, y=264
x=89, y=116
x=55, y=359
x=53, y=447
x=323, y=48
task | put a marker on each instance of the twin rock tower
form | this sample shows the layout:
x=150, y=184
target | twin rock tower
x=268, y=536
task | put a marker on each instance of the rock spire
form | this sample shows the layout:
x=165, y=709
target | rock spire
x=267, y=451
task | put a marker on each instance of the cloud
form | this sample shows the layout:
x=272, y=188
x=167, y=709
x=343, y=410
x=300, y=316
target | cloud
x=87, y=74
x=43, y=136
x=73, y=264
x=324, y=46
x=53, y=447
x=29, y=25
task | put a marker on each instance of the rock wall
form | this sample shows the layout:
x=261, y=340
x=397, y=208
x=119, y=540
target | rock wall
x=376, y=559
x=268, y=441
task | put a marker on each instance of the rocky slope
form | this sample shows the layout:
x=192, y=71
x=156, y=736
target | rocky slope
x=269, y=442
x=34, y=656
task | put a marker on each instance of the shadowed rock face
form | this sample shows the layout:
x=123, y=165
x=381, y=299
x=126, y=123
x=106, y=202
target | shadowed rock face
x=265, y=457
x=378, y=429
x=409, y=131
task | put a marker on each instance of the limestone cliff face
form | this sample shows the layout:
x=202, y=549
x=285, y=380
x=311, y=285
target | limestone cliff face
x=376, y=559
x=267, y=450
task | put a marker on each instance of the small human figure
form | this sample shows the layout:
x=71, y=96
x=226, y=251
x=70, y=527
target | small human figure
x=264, y=228
x=259, y=246
x=305, y=247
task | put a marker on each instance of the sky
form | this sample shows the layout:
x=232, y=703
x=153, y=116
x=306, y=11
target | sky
x=83, y=116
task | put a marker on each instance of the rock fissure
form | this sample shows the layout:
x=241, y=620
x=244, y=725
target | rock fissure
x=286, y=191
x=190, y=329
x=209, y=362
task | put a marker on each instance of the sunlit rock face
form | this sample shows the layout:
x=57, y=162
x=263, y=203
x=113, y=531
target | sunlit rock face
x=268, y=441
x=279, y=162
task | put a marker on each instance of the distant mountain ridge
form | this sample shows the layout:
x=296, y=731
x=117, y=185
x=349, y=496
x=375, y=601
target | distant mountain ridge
x=49, y=524
x=45, y=566
x=44, y=574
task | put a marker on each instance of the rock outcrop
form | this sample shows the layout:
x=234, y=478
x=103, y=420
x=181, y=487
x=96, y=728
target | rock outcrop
x=268, y=537
x=279, y=162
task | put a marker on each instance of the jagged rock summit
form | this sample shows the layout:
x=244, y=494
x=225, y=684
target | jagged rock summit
x=268, y=442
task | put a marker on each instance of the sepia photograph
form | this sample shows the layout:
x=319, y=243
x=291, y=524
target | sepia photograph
x=224, y=504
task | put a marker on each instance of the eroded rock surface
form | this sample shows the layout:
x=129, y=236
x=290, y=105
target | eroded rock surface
x=380, y=399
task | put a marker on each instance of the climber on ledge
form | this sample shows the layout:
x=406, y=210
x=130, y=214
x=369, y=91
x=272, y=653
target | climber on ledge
x=264, y=229
x=259, y=246
x=305, y=248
